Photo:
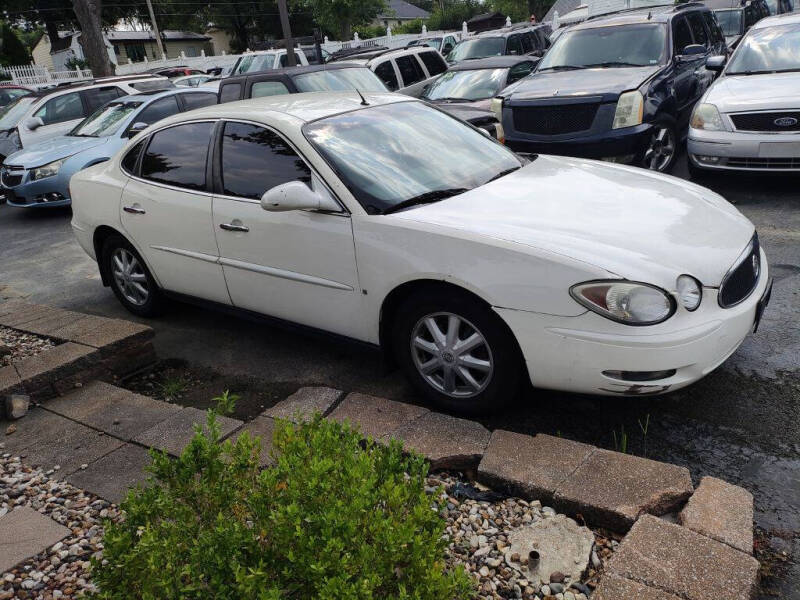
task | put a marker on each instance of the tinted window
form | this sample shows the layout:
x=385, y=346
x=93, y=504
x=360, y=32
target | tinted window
x=713, y=28
x=385, y=72
x=129, y=161
x=268, y=88
x=7, y=96
x=230, y=92
x=255, y=160
x=60, y=109
x=519, y=71
x=681, y=35
x=158, y=110
x=514, y=45
x=410, y=70
x=433, y=62
x=698, y=29
x=527, y=42
x=192, y=101
x=177, y=156
x=356, y=78
x=99, y=96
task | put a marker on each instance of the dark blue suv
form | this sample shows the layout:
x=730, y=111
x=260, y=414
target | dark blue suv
x=619, y=88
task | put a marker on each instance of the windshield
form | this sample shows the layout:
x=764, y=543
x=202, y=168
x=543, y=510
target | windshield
x=396, y=152
x=467, y=85
x=618, y=46
x=769, y=50
x=479, y=48
x=730, y=21
x=255, y=62
x=106, y=120
x=361, y=79
x=10, y=114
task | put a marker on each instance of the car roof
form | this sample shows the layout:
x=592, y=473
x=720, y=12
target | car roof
x=85, y=85
x=652, y=14
x=784, y=19
x=492, y=62
x=507, y=31
x=306, y=107
x=150, y=95
x=395, y=53
x=292, y=71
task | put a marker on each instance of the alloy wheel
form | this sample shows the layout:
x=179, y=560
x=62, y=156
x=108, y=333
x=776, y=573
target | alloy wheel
x=129, y=276
x=661, y=149
x=451, y=354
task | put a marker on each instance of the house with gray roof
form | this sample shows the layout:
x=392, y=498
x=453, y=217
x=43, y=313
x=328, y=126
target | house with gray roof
x=398, y=12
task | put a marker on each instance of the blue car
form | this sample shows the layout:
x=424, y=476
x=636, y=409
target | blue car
x=39, y=176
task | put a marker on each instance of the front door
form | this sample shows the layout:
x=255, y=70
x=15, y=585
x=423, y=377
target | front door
x=297, y=265
x=166, y=211
x=59, y=115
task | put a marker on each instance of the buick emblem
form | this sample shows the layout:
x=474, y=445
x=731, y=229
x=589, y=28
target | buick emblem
x=785, y=121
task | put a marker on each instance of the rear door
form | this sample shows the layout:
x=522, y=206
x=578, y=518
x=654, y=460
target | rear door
x=388, y=74
x=412, y=75
x=97, y=97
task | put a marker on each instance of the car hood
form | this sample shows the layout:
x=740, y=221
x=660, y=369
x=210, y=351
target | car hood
x=54, y=149
x=630, y=222
x=467, y=111
x=755, y=92
x=606, y=82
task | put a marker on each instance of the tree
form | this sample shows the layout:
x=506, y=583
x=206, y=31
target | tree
x=12, y=50
x=516, y=9
x=94, y=46
x=340, y=16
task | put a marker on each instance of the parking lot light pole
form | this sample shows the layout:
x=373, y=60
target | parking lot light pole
x=287, y=33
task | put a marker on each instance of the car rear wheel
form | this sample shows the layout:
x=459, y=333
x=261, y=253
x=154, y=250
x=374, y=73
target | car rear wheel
x=130, y=279
x=662, y=148
x=457, y=352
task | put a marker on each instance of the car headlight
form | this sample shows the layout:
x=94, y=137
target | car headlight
x=630, y=107
x=497, y=108
x=47, y=170
x=690, y=293
x=706, y=116
x=626, y=302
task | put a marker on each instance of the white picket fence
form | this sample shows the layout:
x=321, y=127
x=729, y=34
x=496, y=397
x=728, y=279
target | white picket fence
x=36, y=76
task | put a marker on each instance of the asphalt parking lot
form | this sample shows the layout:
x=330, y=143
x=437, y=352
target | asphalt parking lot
x=742, y=423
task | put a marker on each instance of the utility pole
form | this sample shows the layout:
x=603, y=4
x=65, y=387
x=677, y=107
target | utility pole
x=287, y=33
x=155, y=29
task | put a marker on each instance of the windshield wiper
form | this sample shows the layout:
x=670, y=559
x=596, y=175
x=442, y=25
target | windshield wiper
x=426, y=198
x=764, y=72
x=501, y=174
x=450, y=99
x=612, y=63
x=561, y=68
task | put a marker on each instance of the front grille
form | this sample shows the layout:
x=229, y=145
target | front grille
x=553, y=120
x=767, y=121
x=742, y=278
x=764, y=163
x=12, y=176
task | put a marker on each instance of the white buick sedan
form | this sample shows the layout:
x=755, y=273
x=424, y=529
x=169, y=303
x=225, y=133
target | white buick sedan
x=390, y=222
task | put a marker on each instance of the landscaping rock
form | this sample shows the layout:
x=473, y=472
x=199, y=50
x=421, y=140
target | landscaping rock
x=721, y=511
x=564, y=549
x=445, y=441
x=677, y=560
x=530, y=467
x=612, y=490
x=16, y=406
x=375, y=417
x=304, y=403
x=613, y=587
x=24, y=533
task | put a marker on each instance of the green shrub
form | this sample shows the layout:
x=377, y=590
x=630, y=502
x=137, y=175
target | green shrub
x=335, y=518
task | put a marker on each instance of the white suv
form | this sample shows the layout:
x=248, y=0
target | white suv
x=407, y=71
x=50, y=113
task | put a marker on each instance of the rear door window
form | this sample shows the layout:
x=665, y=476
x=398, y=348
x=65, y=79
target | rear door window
x=230, y=92
x=192, y=101
x=160, y=109
x=97, y=97
x=385, y=72
x=177, y=156
x=433, y=62
x=268, y=88
x=410, y=70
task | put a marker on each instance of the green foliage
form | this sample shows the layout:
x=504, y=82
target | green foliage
x=75, y=63
x=450, y=14
x=516, y=9
x=338, y=17
x=366, y=32
x=413, y=26
x=12, y=50
x=334, y=518
x=173, y=387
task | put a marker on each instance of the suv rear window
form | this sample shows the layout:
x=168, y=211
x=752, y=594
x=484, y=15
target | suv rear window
x=410, y=71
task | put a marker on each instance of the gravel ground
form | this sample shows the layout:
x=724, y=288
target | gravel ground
x=18, y=344
x=477, y=529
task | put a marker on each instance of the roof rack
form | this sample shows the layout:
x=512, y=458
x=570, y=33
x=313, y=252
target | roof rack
x=622, y=11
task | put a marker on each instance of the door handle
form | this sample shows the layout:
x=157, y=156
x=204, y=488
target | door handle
x=134, y=210
x=234, y=227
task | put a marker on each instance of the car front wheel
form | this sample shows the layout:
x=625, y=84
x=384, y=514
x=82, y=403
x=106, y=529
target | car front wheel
x=662, y=147
x=130, y=279
x=457, y=352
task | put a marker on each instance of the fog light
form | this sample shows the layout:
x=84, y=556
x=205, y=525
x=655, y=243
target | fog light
x=640, y=375
x=707, y=160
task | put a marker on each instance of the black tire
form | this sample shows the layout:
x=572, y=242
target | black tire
x=665, y=123
x=503, y=381
x=154, y=301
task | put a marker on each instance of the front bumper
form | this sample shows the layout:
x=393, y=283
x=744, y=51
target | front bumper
x=571, y=353
x=48, y=192
x=741, y=151
x=628, y=143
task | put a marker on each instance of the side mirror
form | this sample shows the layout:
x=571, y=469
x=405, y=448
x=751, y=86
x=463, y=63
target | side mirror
x=694, y=50
x=295, y=195
x=33, y=123
x=716, y=63
x=137, y=127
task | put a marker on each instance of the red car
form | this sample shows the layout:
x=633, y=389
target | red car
x=9, y=93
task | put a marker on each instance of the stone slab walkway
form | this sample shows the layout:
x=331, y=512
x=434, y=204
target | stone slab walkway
x=25, y=533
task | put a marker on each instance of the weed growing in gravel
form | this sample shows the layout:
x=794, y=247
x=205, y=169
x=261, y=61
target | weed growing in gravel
x=173, y=387
x=334, y=518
